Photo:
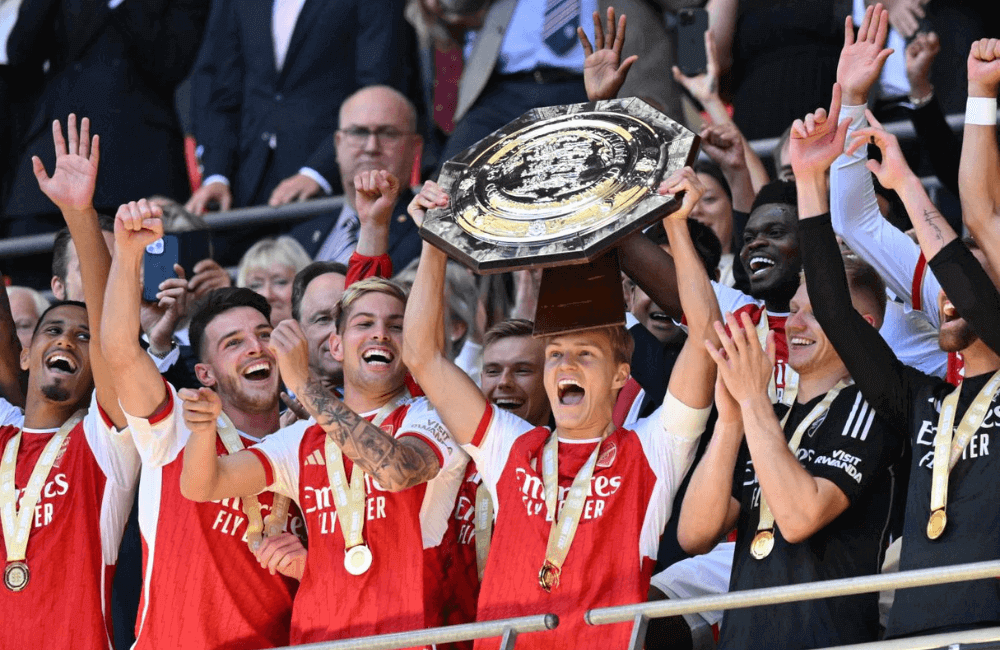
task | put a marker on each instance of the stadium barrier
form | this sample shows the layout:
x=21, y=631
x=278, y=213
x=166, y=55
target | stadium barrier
x=507, y=629
x=640, y=614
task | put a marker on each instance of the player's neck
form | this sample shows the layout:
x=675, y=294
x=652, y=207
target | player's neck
x=40, y=413
x=814, y=384
x=593, y=432
x=979, y=359
x=253, y=423
x=363, y=400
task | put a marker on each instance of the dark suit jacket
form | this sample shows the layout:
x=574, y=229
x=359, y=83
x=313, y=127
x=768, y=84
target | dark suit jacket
x=119, y=68
x=241, y=104
x=404, y=240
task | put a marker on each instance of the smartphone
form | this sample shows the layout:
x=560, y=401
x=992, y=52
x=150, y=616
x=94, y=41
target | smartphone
x=183, y=248
x=691, y=27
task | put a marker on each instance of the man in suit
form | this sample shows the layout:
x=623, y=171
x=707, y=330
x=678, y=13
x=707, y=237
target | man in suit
x=266, y=91
x=117, y=63
x=376, y=132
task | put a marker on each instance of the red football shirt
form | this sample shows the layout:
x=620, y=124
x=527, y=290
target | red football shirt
x=613, y=554
x=202, y=587
x=75, y=534
x=331, y=603
x=737, y=302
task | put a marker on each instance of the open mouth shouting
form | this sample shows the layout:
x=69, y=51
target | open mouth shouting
x=378, y=357
x=508, y=403
x=258, y=371
x=759, y=265
x=570, y=392
x=61, y=363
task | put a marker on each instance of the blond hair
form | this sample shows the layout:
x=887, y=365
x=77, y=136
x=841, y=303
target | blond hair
x=361, y=288
x=269, y=252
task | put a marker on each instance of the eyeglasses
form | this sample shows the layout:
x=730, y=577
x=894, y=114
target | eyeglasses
x=358, y=136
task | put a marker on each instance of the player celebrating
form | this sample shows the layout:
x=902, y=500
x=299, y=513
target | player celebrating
x=375, y=474
x=67, y=474
x=203, y=586
x=592, y=551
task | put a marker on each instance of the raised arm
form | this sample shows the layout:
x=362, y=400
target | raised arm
x=11, y=387
x=455, y=396
x=396, y=463
x=376, y=193
x=603, y=70
x=141, y=390
x=71, y=188
x=979, y=170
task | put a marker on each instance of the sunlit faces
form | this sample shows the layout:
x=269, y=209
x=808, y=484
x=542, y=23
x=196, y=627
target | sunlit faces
x=955, y=334
x=383, y=111
x=582, y=380
x=275, y=284
x=317, y=316
x=809, y=350
x=370, y=345
x=513, y=379
x=58, y=361
x=715, y=210
x=770, y=252
x=237, y=361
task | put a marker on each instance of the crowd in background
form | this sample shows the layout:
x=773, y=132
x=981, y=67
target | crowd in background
x=201, y=106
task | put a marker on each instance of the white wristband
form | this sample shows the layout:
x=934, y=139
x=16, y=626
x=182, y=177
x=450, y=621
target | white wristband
x=981, y=111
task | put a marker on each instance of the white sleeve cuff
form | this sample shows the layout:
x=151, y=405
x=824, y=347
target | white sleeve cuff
x=167, y=362
x=215, y=178
x=315, y=175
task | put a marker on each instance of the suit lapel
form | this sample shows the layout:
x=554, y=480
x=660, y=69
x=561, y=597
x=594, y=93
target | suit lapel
x=310, y=9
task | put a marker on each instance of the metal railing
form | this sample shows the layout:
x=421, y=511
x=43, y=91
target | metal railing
x=507, y=629
x=640, y=614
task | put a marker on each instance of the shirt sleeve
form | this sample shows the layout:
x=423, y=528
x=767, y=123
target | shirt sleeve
x=361, y=267
x=279, y=454
x=160, y=437
x=856, y=217
x=853, y=447
x=422, y=421
x=114, y=450
x=490, y=447
x=10, y=414
x=914, y=339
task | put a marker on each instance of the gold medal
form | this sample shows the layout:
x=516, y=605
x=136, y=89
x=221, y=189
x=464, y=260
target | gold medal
x=548, y=577
x=762, y=544
x=936, y=524
x=358, y=559
x=16, y=575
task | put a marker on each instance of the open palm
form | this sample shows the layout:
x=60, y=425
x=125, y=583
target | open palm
x=71, y=186
x=603, y=70
x=861, y=60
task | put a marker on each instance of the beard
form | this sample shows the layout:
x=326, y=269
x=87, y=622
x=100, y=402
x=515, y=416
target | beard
x=956, y=338
x=251, y=401
x=56, y=393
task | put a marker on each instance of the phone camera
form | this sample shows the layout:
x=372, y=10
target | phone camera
x=156, y=248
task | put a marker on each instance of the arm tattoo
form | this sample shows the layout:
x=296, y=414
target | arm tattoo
x=931, y=217
x=395, y=464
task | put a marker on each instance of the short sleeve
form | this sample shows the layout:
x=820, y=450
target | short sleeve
x=10, y=415
x=279, y=454
x=114, y=450
x=490, y=447
x=854, y=447
x=160, y=437
x=422, y=421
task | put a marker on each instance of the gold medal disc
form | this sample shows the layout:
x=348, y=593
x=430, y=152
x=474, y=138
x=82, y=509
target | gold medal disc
x=762, y=544
x=548, y=577
x=16, y=575
x=936, y=524
x=358, y=559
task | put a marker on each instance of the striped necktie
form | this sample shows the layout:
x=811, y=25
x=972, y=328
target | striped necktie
x=341, y=243
x=562, y=17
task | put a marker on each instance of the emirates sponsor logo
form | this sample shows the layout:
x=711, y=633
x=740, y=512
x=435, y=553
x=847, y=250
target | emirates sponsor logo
x=533, y=494
x=56, y=486
x=230, y=519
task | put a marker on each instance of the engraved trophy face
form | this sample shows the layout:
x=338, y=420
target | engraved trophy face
x=559, y=185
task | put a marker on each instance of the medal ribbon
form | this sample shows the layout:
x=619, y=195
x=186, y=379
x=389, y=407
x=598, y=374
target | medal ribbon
x=251, y=505
x=945, y=446
x=766, y=516
x=350, y=498
x=484, y=527
x=564, y=525
x=17, y=521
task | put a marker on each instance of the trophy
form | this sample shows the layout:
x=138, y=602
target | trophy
x=558, y=188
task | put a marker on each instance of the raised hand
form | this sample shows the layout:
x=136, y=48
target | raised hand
x=290, y=348
x=920, y=54
x=728, y=408
x=603, y=70
x=159, y=319
x=984, y=67
x=723, y=143
x=905, y=15
x=431, y=196
x=201, y=410
x=817, y=140
x=703, y=87
x=744, y=366
x=376, y=193
x=71, y=186
x=683, y=180
x=862, y=59
x=208, y=275
x=893, y=170
x=137, y=225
